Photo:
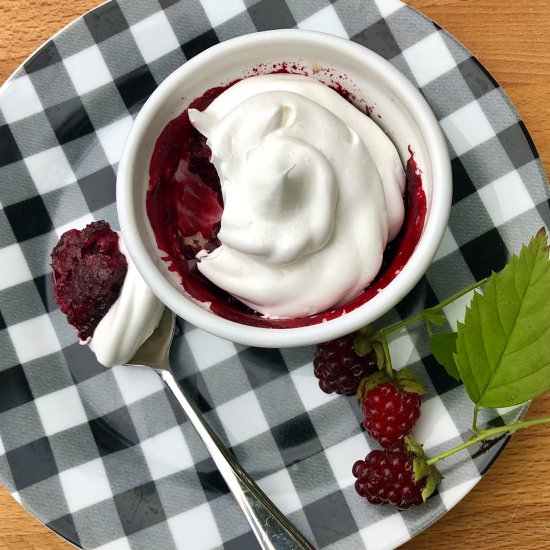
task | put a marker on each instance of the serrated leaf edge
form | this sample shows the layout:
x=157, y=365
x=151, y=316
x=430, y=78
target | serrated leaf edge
x=459, y=379
x=543, y=246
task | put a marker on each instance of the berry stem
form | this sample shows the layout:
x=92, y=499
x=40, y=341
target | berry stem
x=485, y=434
x=428, y=327
x=423, y=314
x=475, y=429
x=387, y=356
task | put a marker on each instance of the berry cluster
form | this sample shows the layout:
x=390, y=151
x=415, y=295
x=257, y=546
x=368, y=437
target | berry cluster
x=390, y=402
x=400, y=473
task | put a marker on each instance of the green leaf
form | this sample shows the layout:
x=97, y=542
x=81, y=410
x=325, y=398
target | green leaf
x=371, y=381
x=361, y=345
x=380, y=356
x=443, y=347
x=435, y=319
x=503, y=346
x=432, y=482
x=367, y=330
x=413, y=447
x=421, y=468
x=408, y=381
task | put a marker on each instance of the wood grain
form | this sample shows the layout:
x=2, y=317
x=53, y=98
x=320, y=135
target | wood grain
x=510, y=507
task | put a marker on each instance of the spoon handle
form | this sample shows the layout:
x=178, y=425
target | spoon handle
x=272, y=529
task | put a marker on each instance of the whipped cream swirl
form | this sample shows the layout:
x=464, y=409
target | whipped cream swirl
x=129, y=322
x=312, y=190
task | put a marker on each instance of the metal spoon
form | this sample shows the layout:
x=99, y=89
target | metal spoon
x=272, y=529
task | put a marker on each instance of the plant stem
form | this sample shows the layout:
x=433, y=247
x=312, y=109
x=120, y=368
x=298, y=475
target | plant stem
x=485, y=434
x=387, y=356
x=428, y=327
x=474, y=420
x=434, y=309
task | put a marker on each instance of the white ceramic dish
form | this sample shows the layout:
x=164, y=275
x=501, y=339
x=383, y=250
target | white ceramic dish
x=400, y=110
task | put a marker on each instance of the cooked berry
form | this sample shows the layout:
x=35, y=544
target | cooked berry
x=88, y=274
x=338, y=368
x=390, y=412
x=387, y=477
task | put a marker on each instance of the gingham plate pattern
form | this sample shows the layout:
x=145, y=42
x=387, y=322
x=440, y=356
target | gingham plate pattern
x=103, y=456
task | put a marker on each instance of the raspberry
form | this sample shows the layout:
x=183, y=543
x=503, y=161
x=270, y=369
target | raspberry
x=88, y=273
x=338, y=368
x=390, y=411
x=387, y=477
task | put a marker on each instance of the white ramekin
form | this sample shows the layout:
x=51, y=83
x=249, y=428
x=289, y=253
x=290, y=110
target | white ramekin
x=399, y=109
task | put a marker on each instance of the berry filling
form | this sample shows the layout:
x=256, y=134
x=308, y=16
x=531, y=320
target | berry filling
x=88, y=274
x=184, y=205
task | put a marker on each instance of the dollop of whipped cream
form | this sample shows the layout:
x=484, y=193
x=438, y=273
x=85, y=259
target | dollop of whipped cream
x=132, y=318
x=312, y=189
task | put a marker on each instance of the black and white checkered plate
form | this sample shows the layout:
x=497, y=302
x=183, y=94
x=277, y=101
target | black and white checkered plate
x=102, y=456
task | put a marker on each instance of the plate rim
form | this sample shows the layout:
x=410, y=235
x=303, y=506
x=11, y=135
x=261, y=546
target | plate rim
x=524, y=408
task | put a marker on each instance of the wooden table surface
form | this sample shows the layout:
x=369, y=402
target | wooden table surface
x=510, y=507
